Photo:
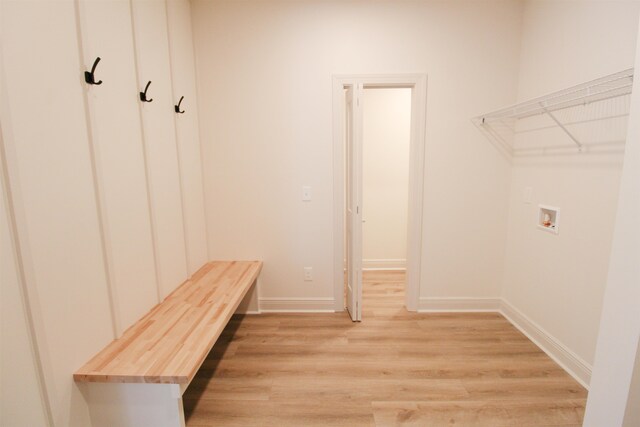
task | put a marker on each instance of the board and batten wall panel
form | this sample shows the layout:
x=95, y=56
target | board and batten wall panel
x=106, y=30
x=54, y=202
x=153, y=64
x=188, y=136
x=77, y=173
x=21, y=402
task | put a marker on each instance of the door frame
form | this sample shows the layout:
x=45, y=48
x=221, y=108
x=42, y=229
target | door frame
x=418, y=85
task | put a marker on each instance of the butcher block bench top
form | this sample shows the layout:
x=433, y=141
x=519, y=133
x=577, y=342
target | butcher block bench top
x=169, y=343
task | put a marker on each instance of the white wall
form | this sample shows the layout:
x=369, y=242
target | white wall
x=617, y=349
x=558, y=282
x=386, y=137
x=266, y=70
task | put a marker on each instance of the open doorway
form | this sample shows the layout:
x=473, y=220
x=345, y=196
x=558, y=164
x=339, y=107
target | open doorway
x=351, y=176
x=386, y=136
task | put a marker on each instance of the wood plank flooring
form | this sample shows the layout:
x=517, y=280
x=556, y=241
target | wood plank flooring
x=394, y=368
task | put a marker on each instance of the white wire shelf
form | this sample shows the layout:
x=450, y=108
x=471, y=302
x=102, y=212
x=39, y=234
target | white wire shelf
x=602, y=89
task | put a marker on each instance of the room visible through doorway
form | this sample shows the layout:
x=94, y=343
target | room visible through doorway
x=385, y=189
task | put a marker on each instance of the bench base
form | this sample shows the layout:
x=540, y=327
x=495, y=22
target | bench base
x=134, y=405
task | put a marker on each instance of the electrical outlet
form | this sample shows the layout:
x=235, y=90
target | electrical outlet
x=306, y=193
x=308, y=274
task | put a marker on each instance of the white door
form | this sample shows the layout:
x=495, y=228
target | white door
x=353, y=140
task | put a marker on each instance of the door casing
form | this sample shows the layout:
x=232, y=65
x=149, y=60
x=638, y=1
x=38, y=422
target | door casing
x=418, y=85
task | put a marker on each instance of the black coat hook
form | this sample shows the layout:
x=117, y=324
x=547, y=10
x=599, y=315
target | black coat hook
x=177, y=107
x=143, y=95
x=90, y=77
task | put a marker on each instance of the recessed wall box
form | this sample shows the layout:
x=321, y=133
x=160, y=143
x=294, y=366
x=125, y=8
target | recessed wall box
x=548, y=218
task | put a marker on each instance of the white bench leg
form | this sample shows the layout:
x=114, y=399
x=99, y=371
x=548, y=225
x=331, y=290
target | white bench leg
x=134, y=405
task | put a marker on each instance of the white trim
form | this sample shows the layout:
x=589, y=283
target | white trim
x=431, y=305
x=418, y=85
x=575, y=366
x=339, y=259
x=384, y=264
x=99, y=191
x=297, y=305
x=176, y=141
x=18, y=236
x=31, y=319
x=197, y=82
x=416, y=191
x=146, y=149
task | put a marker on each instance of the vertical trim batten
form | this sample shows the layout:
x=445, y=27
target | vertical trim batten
x=28, y=296
x=185, y=227
x=98, y=191
x=143, y=141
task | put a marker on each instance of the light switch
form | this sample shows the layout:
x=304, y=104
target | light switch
x=306, y=194
x=527, y=195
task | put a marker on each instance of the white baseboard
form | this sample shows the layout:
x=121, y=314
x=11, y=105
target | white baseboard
x=563, y=356
x=384, y=264
x=430, y=305
x=297, y=305
x=567, y=359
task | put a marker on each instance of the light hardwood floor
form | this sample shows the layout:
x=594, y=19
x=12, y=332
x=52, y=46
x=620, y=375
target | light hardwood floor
x=393, y=368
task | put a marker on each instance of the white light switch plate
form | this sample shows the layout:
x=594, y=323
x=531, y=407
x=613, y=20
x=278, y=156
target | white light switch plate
x=306, y=194
x=527, y=195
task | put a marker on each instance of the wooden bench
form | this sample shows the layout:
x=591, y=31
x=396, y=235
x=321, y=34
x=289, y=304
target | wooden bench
x=138, y=379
